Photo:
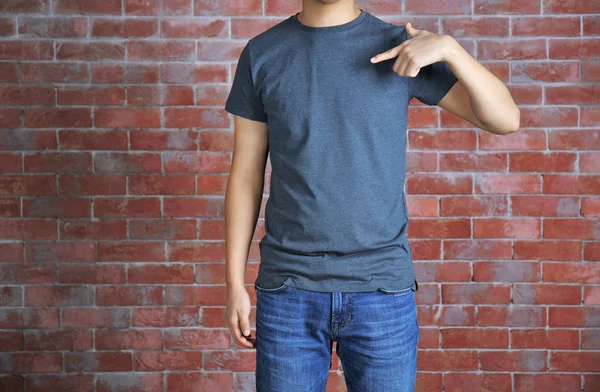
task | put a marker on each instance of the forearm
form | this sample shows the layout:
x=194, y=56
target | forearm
x=243, y=199
x=491, y=101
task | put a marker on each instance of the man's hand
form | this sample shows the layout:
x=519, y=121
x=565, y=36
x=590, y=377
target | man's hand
x=413, y=54
x=238, y=316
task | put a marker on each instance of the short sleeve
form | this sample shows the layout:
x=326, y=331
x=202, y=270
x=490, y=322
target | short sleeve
x=243, y=99
x=432, y=82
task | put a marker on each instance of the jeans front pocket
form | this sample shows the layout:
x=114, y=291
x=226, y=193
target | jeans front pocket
x=271, y=290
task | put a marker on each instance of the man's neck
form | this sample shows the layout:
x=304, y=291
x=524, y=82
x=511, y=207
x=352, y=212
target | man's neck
x=323, y=15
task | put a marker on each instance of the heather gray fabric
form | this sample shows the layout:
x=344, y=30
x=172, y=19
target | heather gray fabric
x=336, y=217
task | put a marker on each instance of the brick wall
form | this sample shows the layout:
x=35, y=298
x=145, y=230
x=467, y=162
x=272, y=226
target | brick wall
x=114, y=154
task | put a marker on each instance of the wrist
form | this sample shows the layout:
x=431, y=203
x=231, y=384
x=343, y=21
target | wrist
x=451, y=49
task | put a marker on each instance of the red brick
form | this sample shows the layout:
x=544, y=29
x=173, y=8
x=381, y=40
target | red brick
x=93, y=96
x=26, y=50
x=93, y=230
x=92, y=140
x=569, y=361
x=196, y=117
x=28, y=274
x=28, y=318
x=566, y=339
x=28, y=229
x=442, y=272
x=27, y=140
x=112, y=7
x=515, y=49
x=10, y=118
x=541, y=294
x=129, y=295
x=131, y=251
x=474, y=338
x=160, y=95
x=58, y=340
x=158, y=7
x=536, y=26
x=162, y=185
x=507, y=183
x=513, y=316
x=11, y=296
x=147, y=339
x=230, y=8
x=545, y=206
x=203, y=381
x=163, y=317
x=59, y=296
x=454, y=7
x=551, y=72
x=167, y=360
x=476, y=205
x=507, y=228
x=127, y=118
x=59, y=383
x=162, y=51
x=572, y=273
x=164, y=140
x=32, y=362
x=53, y=27
x=506, y=271
x=98, y=362
x=58, y=117
x=124, y=28
x=55, y=72
x=194, y=28
x=195, y=251
x=86, y=318
x=507, y=7
x=7, y=27
x=91, y=274
x=577, y=317
x=199, y=207
x=127, y=208
x=475, y=293
x=88, y=185
x=477, y=249
x=58, y=162
x=547, y=382
x=476, y=27
x=90, y=51
x=570, y=7
x=515, y=360
x=115, y=382
x=490, y=382
x=571, y=49
x=436, y=360
x=27, y=95
x=9, y=72
x=193, y=73
x=194, y=295
x=196, y=339
x=171, y=274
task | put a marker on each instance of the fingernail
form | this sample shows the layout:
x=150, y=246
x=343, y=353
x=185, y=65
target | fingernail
x=247, y=332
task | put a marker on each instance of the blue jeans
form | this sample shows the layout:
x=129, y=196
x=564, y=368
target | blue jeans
x=376, y=333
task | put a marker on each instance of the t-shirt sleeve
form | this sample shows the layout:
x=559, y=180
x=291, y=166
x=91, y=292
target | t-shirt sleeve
x=243, y=99
x=432, y=82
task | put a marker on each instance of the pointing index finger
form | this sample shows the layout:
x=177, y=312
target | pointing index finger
x=385, y=55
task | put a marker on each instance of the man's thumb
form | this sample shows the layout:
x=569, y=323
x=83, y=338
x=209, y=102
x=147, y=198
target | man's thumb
x=411, y=30
x=245, y=327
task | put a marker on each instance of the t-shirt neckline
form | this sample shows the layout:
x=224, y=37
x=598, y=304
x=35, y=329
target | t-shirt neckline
x=330, y=29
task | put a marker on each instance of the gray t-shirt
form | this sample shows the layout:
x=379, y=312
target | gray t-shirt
x=336, y=217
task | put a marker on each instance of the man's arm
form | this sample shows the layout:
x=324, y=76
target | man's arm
x=435, y=62
x=243, y=199
x=479, y=96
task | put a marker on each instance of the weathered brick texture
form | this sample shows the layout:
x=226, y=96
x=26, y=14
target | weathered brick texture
x=114, y=151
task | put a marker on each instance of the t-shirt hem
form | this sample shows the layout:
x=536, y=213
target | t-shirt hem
x=443, y=91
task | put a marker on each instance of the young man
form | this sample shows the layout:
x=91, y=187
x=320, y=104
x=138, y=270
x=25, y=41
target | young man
x=326, y=92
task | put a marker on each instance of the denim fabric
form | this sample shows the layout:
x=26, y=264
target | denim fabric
x=376, y=334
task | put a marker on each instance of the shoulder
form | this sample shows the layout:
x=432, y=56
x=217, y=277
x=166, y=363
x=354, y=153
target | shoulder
x=388, y=29
x=270, y=37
